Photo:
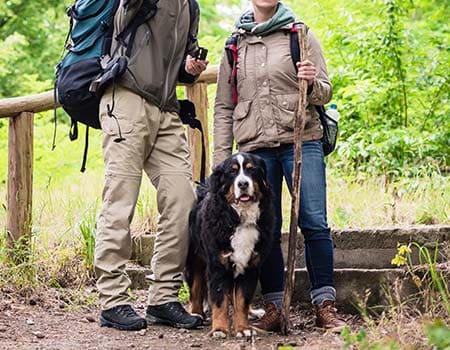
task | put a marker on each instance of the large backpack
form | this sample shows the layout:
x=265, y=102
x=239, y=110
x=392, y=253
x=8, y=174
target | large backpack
x=84, y=72
x=329, y=125
x=89, y=67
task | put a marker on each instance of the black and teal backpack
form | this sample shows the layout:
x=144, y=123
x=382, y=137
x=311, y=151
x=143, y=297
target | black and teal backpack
x=90, y=34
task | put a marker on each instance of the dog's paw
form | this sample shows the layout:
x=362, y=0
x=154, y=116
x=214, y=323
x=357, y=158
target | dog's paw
x=256, y=314
x=218, y=334
x=247, y=333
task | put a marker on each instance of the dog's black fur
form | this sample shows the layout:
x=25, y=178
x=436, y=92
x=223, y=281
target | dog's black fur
x=212, y=226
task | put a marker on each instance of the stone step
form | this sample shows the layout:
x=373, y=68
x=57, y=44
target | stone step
x=363, y=248
x=353, y=286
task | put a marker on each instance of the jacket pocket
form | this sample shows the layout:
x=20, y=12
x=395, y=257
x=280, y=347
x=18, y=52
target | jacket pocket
x=286, y=110
x=244, y=128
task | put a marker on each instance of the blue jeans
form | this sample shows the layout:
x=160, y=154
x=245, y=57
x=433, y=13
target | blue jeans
x=312, y=219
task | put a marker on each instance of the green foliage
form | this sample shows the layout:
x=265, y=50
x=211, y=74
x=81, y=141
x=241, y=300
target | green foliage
x=87, y=230
x=359, y=340
x=433, y=284
x=32, y=34
x=390, y=83
x=395, y=152
x=183, y=294
x=438, y=335
x=17, y=266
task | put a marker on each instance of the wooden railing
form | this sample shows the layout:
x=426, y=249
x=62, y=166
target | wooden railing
x=20, y=111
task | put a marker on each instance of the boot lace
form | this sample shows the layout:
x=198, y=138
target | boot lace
x=177, y=311
x=126, y=311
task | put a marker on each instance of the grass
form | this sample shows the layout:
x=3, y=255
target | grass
x=371, y=203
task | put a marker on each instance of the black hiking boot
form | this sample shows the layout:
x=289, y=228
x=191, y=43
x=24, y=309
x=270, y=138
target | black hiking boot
x=172, y=314
x=122, y=317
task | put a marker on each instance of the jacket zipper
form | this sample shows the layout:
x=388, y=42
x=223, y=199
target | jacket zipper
x=166, y=87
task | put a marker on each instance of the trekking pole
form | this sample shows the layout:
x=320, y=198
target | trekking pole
x=299, y=125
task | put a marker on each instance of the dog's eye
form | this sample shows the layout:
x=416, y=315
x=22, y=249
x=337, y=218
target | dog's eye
x=234, y=168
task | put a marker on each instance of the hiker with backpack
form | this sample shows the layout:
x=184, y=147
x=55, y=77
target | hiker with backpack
x=142, y=131
x=256, y=103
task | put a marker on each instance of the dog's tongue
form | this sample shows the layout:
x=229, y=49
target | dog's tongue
x=244, y=198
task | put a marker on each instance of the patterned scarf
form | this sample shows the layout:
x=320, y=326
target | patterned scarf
x=282, y=16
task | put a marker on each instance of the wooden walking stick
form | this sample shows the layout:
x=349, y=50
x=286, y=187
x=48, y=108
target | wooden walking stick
x=299, y=125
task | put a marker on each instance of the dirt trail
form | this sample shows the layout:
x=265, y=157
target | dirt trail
x=50, y=321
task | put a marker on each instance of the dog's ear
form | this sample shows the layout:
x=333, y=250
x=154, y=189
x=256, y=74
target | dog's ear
x=261, y=164
x=216, y=179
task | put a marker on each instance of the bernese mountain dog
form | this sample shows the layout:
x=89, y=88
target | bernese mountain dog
x=230, y=235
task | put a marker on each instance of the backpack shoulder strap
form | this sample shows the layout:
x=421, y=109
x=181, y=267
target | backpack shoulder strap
x=194, y=12
x=295, y=51
x=293, y=42
x=231, y=48
x=232, y=57
x=126, y=36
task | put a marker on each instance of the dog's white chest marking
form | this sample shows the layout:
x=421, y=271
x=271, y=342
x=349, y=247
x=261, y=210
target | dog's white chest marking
x=245, y=237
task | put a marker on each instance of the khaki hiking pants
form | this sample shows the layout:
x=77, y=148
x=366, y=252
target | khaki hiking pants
x=156, y=143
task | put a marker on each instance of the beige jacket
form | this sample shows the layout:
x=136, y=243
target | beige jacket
x=268, y=95
x=159, y=50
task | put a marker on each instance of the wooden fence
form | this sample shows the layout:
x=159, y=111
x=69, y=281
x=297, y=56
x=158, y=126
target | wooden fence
x=20, y=111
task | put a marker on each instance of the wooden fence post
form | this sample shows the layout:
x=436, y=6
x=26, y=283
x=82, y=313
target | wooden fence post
x=20, y=184
x=198, y=94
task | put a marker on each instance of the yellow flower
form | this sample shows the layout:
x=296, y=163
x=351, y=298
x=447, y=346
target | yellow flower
x=398, y=260
x=404, y=249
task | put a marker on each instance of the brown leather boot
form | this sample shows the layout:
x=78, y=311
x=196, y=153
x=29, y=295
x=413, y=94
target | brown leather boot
x=271, y=321
x=327, y=317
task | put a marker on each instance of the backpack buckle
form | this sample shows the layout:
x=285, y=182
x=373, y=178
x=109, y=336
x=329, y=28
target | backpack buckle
x=112, y=71
x=70, y=11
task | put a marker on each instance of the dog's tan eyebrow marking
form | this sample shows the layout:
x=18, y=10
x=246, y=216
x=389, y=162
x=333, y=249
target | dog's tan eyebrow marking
x=235, y=166
x=249, y=166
